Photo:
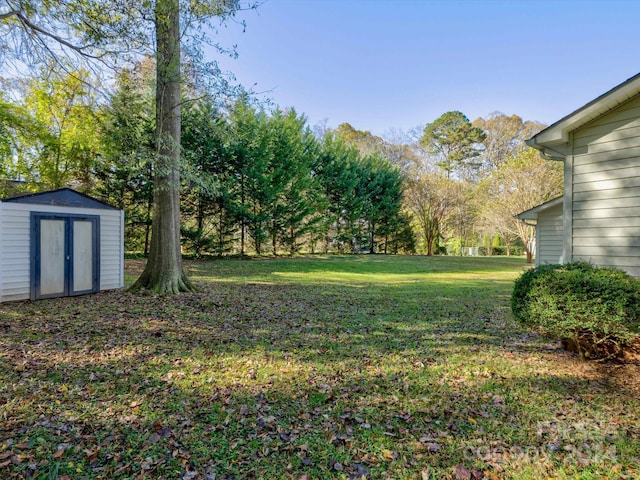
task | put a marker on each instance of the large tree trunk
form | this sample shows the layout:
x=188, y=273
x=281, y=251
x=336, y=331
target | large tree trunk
x=147, y=228
x=163, y=272
x=372, y=240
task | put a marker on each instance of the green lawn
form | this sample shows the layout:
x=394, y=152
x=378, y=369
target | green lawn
x=308, y=368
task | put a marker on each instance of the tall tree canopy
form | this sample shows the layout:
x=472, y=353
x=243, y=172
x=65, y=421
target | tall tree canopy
x=35, y=32
x=90, y=30
x=505, y=137
x=454, y=140
x=67, y=150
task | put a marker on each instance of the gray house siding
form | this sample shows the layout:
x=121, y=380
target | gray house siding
x=549, y=241
x=605, y=182
x=16, y=254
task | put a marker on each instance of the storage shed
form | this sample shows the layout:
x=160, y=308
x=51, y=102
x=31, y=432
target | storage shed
x=59, y=243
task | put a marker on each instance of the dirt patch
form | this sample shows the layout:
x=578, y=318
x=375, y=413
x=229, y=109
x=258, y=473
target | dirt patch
x=624, y=376
x=622, y=372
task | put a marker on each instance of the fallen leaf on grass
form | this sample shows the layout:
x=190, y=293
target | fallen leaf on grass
x=462, y=473
x=433, y=447
x=360, y=471
x=91, y=455
x=389, y=455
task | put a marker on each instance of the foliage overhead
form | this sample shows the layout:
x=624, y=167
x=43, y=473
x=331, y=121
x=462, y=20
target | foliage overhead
x=33, y=32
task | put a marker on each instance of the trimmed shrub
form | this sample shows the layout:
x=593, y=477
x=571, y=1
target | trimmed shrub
x=593, y=310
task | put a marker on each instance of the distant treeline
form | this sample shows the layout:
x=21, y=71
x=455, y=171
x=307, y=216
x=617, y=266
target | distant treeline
x=259, y=180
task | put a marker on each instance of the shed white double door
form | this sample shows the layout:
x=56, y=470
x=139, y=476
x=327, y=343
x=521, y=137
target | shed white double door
x=65, y=255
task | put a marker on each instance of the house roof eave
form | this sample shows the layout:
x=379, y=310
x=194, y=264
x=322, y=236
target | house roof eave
x=556, y=135
x=532, y=213
x=556, y=151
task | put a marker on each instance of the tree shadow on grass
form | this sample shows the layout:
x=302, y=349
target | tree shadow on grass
x=166, y=415
x=244, y=380
x=279, y=319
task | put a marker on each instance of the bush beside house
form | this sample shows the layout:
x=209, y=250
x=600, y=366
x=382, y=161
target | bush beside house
x=593, y=310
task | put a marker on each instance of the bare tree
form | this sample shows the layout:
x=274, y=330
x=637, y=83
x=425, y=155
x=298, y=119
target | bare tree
x=505, y=136
x=430, y=198
x=520, y=183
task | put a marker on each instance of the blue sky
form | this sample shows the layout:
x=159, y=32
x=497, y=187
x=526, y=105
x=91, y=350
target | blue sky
x=396, y=64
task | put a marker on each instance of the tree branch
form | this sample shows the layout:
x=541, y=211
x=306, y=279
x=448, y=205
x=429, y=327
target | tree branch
x=12, y=13
x=32, y=26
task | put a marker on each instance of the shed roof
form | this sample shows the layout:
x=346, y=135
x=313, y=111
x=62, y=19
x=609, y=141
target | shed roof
x=532, y=213
x=552, y=140
x=63, y=197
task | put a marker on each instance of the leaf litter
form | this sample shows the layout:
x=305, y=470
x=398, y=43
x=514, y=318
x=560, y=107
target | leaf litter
x=304, y=380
